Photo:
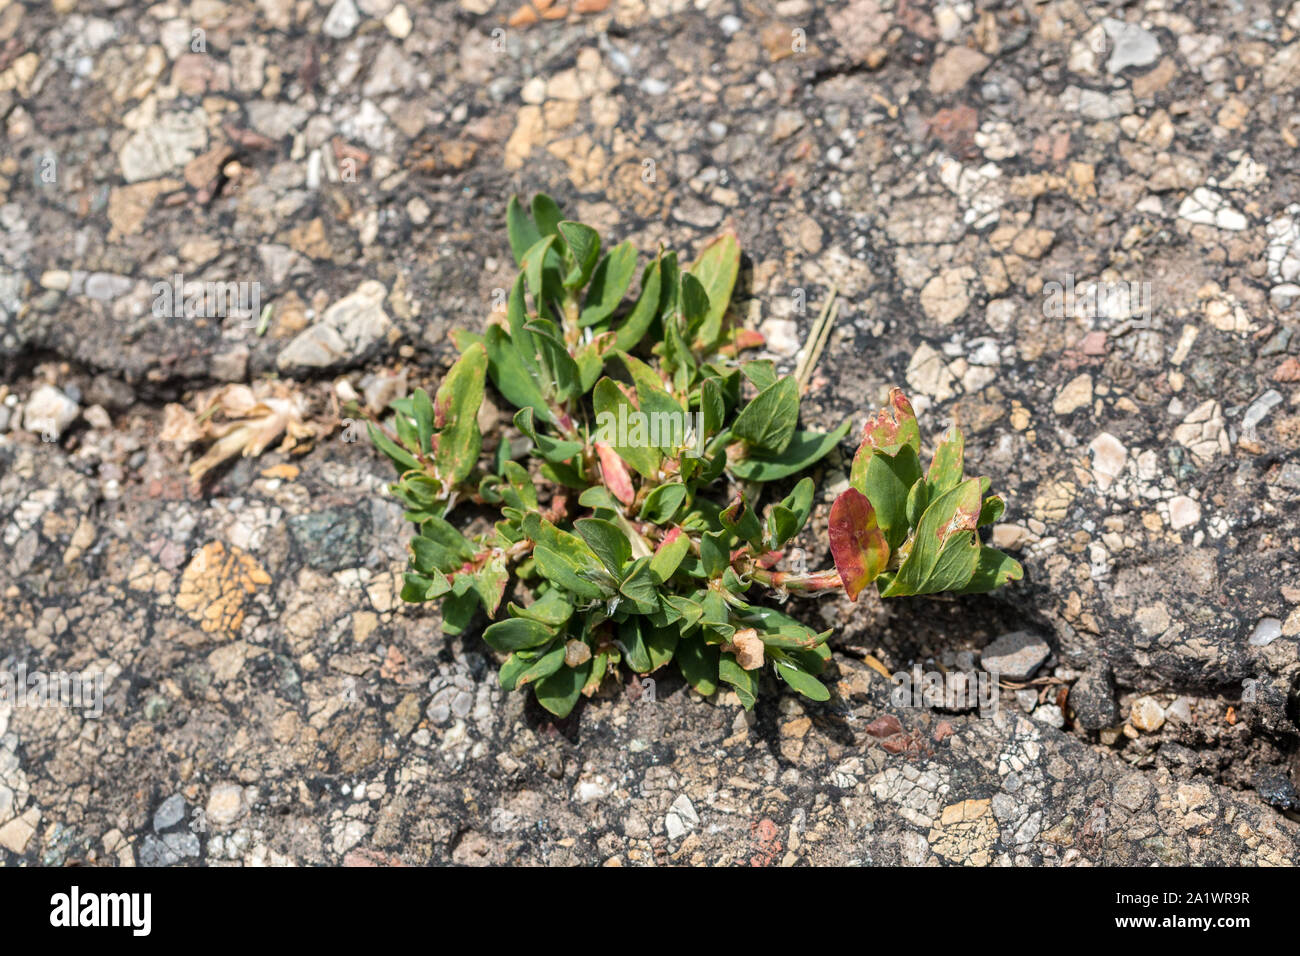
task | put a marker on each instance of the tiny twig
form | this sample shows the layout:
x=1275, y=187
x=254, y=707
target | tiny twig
x=817, y=338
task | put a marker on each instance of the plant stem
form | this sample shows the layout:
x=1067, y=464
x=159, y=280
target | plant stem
x=828, y=580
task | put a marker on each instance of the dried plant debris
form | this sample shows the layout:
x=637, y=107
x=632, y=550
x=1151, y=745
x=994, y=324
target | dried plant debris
x=239, y=420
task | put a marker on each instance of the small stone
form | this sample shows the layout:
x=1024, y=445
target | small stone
x=169, y=848
x=1134, y=46
x=1184, y=512
x=98, y=418
x=226, y=804
x=781, y=336
x=1092, y=699
x=48, y=412
x=1108, y=459
x=1180, y=710
x=954, y=69
x=56, y=279
x=1049, y=714
x=333, y=539
x=15, y=835
x=398, y=22
x=344, y=334
x=946, y=297
x=1206, y=207
x=1015, y=656
x=342, y=19
x=1147, y=715
x=169, y=813
x=1267, y=630
x=1076, y=394
x=681, y=818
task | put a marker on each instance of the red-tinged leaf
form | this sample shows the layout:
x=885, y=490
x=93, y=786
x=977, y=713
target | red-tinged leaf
x=885, y=726
x=893, y=426
x=857, y=544
x=673, y=534
x=615, y=474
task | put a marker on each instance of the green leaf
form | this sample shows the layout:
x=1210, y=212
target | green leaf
x=892, y=428
x=768, y=422
x=565, y=574
x=559, y=692
x=455, y=414
x=805, y=449
x=598, y=498
x=637, y=323
x=805, y=684
x=511, y=375
x=521, y=493
x=663, y=502
x=744, y=682
x=617, y=424
x=490, y=583
x=958, y=560
x=741, y=521
x=716, y=268
x=668, y=556
x=992, y=510
x=523, y=234
x=887, y=483
x=422, y=411
x=713, y=409
x=698, y=663
x=660, y=644
x=550, y=609
x=641, y=588
x=584, y=246
x=533, y=267
x=632, y=643
x=693, y=301
x=552, y=449
x=417, y=588
x=950, y=517
x=526, y=667
x=609, y=283
x=993, y=570
x=714, y=555
x=547, y=215
x=682, y=610
x=463, y=338
x=458, y=610
x=590, y=357
x=761, y=373
x=448, y=539
x=917, y=500
x=400, y=457
x=787, y=519
x=946, y=467
x=607, y=540
x=516, y=633
x=557, y=363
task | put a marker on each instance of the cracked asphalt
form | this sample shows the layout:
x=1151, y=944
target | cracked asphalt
x=1072, y=229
